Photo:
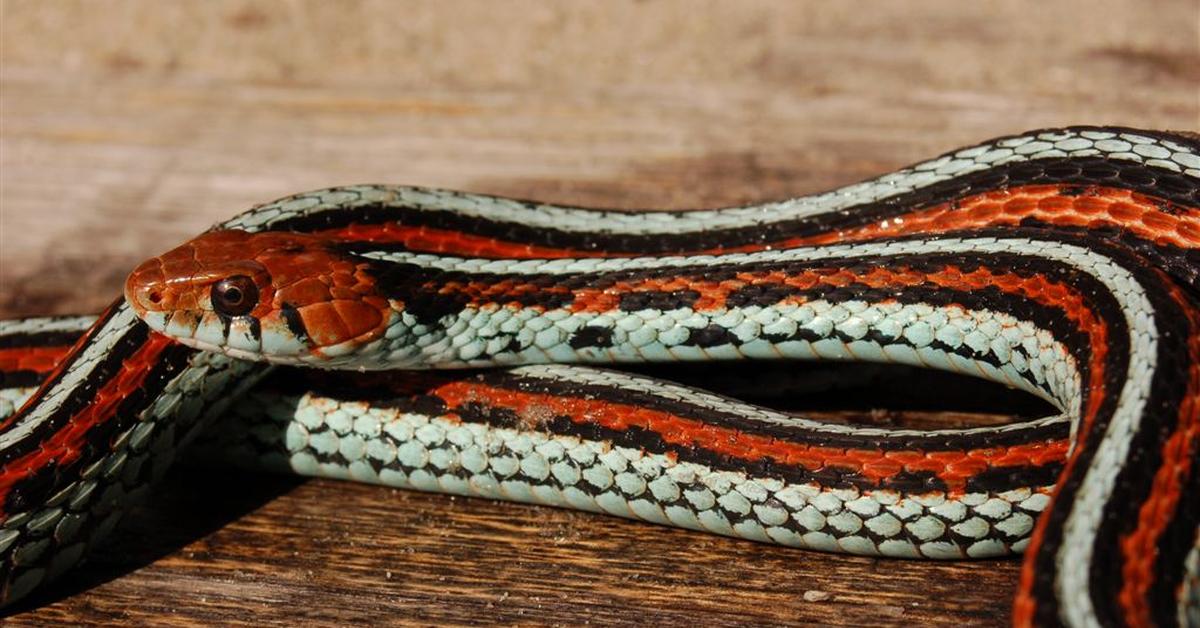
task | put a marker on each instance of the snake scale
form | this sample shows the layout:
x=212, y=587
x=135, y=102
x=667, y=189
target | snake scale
x=1063, y=263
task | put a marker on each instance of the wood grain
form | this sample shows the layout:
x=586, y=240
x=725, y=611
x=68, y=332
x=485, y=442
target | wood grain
x=126, y=127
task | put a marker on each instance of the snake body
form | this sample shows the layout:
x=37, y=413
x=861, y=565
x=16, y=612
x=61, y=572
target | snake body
x=1061, y=262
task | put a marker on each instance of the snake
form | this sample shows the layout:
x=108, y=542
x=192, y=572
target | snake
x=485, y=346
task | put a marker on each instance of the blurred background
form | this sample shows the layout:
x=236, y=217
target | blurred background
x=129, y=126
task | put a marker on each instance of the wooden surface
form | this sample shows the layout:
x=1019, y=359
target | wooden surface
x=126, y=127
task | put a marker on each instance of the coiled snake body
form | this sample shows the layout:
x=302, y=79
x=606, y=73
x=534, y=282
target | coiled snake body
x=1061, y=262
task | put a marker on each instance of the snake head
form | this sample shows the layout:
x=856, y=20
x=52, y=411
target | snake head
x=279, y=297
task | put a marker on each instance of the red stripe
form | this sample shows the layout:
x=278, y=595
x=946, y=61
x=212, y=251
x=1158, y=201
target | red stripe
x=1093, y=207
x=954, y=468
x=1139, y=548
x=873, y=463
x=36, y=359
x=457, y=243
x=64, y=447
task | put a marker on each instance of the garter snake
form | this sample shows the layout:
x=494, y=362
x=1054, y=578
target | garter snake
x=1061, y=262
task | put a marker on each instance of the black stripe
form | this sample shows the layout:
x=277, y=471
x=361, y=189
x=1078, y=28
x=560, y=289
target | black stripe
x=657, y=300
x=1182, y=264
x=75, y=353
x=426, y=290
x=1045, y=561
x=1135, y=481
x=1014, y=435
x=1077, y=171
x=56, y=476
x=650, y=441
x=430, y=295
x=1176, y=542
x=79, y=397
x=385, y=395
x=64, y=338
x=20, y=379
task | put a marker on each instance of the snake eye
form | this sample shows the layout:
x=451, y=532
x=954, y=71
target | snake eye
x=234, y=296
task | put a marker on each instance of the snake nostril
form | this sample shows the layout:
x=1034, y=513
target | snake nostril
x=154, y=296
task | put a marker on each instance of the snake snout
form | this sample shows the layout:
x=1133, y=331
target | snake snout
x=146, y=289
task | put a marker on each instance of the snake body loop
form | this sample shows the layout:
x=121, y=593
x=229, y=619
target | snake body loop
x=1061, y=262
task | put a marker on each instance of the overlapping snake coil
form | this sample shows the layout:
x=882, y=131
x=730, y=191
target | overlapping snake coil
x=1061, y=262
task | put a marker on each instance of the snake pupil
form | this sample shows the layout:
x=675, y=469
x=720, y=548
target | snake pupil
x=234, y=296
